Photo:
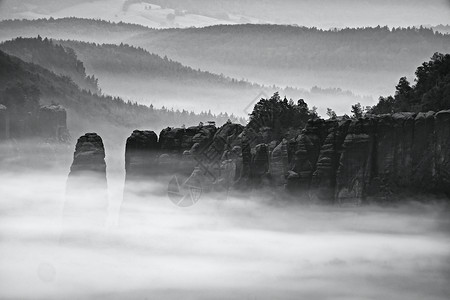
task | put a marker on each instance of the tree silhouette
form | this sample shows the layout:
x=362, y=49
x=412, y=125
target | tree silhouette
x=431, y=91
x=357, y=111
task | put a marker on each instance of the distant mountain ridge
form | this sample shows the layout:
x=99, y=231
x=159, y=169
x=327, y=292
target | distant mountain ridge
x=58, y=59
x=251, y=44
x=87, y=111
x=282, y=46
x=134, y=73
x=199, y=13
x=367, y=61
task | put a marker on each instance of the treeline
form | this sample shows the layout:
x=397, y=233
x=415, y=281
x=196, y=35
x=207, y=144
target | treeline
x=302, y=48
x=136, y=67
x=265, y=46
x=280, y=116
x=56, y=58
x=91, y=107
x=137, y=61
x=93, y=30
x=431, y=91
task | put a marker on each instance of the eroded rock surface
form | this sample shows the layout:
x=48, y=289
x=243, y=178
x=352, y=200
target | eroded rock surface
x=345, y=161
x=86, y=193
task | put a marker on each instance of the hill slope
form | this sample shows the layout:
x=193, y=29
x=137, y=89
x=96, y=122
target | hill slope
x=59, y=60
x=364, y=60
x=137, y=74
x=87, y=111
x=71, y=28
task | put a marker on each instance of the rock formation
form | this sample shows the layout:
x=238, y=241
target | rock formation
x=4, y=123
x=53, y=122
x=141, y=154
x=86, y=193
x=47, y=122
x=344, y=161
x=142, y=167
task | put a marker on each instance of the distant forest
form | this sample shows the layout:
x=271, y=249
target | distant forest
x=87, y=108
x=133, y=69
x=302, y=48
x=131, y=60
x=274, y=46
x=99, y=31
x=58, y=59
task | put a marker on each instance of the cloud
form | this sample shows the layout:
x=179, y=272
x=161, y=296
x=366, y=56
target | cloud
x=243, y=248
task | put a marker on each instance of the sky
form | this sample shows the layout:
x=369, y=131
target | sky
x=321, y=13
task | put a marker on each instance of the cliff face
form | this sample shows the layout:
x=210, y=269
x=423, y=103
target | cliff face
x=4, y=123
x=373, y=159
x=86, y=192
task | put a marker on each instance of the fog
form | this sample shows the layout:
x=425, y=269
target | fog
x=245, y=247
x=237, y=101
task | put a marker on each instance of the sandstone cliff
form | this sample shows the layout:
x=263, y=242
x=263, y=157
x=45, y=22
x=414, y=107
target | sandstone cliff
x=373, y=159
x=86, y=191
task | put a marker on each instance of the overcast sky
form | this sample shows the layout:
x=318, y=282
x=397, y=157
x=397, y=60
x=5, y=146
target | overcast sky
x=319, y=13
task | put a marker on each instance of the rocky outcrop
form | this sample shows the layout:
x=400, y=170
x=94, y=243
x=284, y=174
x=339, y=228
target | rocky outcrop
x=141, y=153
x=53, y=122
x=442, y=151
x=345, y=161
x=307, y=149
x=323, y=180
x=177, y=140
x=86, y=192
x=423, y=151
x=141, y=165
x=89, y=156
x=260, y=163
x=4, y=123
x=279, y=163
x=46, y=122
x=356, y=162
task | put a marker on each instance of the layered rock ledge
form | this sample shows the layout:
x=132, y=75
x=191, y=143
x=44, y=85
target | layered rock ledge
x=372, y=159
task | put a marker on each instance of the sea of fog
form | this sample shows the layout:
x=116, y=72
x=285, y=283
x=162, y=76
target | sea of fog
x=239, y=248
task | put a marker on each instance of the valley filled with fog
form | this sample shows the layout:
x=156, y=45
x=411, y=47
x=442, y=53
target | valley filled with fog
x=246, y=247
x=238, y=149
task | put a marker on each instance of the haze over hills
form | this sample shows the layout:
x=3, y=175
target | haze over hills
x=127, y=169
x=297, y=56
x=135, y=74
x=89, y=30
x=442, y=28
x=59, y=60
x=181, y=13
x=86, y=111
x=367, y=61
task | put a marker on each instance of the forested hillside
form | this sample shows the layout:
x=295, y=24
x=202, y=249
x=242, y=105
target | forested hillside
x=277, y=46
x=89, y=30
x=135, y=73
x=56, y=58
x=87, y=111
x=430, y=92
x=367, y=61
x=135, y=61
x=290, y=47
